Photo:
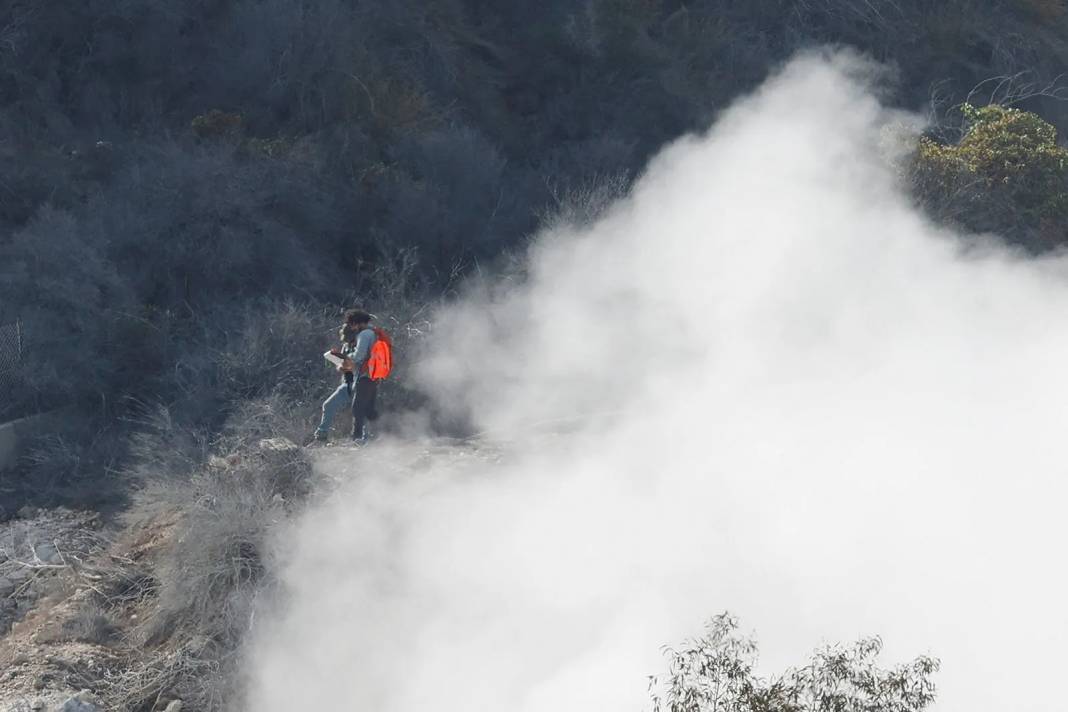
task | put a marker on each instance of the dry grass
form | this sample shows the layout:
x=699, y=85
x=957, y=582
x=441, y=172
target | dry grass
x=186, y=579
x=90, y=622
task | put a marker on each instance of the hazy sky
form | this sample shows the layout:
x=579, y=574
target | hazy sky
x=763, y=384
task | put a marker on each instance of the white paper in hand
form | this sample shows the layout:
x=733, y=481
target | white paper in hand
x=333, y=358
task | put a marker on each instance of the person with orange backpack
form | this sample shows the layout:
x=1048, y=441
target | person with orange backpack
x=364, y=359
x=372, y=359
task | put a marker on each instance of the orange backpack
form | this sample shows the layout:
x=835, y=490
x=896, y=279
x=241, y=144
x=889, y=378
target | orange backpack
x=380, y=362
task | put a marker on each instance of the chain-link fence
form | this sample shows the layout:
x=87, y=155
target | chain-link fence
x=11, y=347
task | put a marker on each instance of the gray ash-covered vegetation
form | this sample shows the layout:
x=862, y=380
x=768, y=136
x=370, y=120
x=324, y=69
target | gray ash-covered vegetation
x=175, y=175
x=191, y=190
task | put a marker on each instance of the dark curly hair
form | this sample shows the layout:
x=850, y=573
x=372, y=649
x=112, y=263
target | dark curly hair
x=357, y=316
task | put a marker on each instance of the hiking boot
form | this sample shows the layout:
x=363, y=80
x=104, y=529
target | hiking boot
x=320, y=437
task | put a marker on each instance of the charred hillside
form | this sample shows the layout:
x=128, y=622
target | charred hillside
x=192, y=191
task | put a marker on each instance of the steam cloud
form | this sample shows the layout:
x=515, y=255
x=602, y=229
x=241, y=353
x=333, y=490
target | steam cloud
x=761, y=383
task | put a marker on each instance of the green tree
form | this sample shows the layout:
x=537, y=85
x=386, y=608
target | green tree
x=1007, y=174
x=715, y=673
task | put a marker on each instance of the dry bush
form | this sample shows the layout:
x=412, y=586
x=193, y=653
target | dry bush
x=191, y=672
x=70, y=458
x=226, y=504
x=274, y=348
x=274, y=416
x=208, y=576
x=197, y=595
x=879, y=12
x=216, y=123
x=581, y=205
x=401, y=105
x=91, y=623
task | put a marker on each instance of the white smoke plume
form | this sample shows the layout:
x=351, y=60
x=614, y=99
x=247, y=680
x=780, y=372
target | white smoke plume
x=762, y=383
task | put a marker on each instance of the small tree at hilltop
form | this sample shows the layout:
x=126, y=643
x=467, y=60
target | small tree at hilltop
x=1044, y=10
x=1007, y=174
x=714, y=673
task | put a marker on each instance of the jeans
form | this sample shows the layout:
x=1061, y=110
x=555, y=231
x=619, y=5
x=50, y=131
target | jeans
x=331, y=407
x=363, y=407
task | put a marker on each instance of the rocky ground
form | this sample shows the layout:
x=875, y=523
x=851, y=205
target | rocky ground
x=143, y=611
x=43, y=554
x=69, y=594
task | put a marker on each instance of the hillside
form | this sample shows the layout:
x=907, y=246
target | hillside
x=183, y=163
x=191, y=193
